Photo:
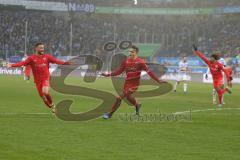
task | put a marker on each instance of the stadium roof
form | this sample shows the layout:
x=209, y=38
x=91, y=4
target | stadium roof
x=62, y=6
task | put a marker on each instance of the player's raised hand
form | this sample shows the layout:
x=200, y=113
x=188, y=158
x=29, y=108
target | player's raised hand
x=195, y=47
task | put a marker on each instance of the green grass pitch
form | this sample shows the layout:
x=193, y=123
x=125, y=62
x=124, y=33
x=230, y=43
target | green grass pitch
x=211, y=135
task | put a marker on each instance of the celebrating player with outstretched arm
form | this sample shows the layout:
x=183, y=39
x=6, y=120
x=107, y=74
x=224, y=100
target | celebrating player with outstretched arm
x=39, y=63
x=133, y=67
x=216, y=70
x=214, y=93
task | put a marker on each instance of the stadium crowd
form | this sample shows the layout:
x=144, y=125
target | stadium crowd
x=90, y=32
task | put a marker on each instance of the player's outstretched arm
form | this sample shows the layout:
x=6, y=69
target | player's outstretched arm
x=154, y=77
x=116, y=72
x=20, y=64
x=199, y=54
x=56, y=61
x=151, y=74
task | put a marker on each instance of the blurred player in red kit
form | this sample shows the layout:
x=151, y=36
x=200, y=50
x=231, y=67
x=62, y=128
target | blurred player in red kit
x=132, y=66
x=216, y=69
x=39, y=63
x=26, y=69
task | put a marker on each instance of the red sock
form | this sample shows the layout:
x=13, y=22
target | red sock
x=220, y=93
x=49, y=98
x=49, y=105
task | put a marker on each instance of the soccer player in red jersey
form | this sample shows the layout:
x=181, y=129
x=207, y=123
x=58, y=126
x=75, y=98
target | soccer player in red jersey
x=133, y=66
x=216, y=69
x=39, y=63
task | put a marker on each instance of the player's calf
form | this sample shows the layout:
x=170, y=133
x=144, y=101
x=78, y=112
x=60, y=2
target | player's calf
x=49, y=103
x=115, y=106
x=228, y=90
x=175, y=86
x=138, y=107
x=214, y=100
x=185, y=85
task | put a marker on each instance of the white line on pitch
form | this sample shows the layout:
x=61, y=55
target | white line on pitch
x=204, y=110
x=25, y=113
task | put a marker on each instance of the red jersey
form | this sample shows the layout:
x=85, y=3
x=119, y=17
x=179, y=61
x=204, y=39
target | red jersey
x=216, y=68
x=133, y=69
x=40, y=65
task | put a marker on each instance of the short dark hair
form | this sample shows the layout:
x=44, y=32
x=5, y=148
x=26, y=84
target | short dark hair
x=215, y=56
x=38, y=44
x=135, y=47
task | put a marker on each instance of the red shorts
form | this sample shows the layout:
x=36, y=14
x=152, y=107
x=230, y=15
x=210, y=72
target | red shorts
x=130, y=86
x=217, y=83
x=40, y=85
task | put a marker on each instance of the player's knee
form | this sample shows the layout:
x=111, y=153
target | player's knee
x=129, y=92
x=130, y=98
x=45, y=91
x=118, y=98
